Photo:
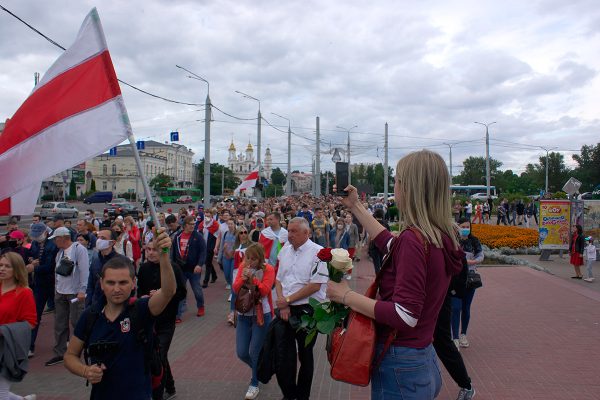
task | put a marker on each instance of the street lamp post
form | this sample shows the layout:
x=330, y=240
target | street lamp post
x=207, y=117
x=288, y=180
x=547, y=162
x=258, y=137
x=487, y=156
x=348, y=151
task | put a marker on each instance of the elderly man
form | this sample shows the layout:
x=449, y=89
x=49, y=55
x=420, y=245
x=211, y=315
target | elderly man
x=71, y=286
x=295, y=284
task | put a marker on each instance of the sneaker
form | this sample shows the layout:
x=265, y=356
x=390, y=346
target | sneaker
x=252, y=392
x=228, y=287
x=229, y=298
x=205, y=285
x=54, y=361
x=169, y=395
x=588, y=279
x=462, y=341
x=466, y=394
x=348, y=277
x=200, y=312
x=30, y=397
x=456, y=343
x=30, y=354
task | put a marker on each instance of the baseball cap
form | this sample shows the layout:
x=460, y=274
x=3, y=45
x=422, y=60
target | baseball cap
x=17, y=235
x=62, y=231
x=37, y=230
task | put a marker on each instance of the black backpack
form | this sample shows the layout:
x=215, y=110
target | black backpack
x=152, y=359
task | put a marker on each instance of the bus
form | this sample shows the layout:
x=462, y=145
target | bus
x=469, y=190
x=170, y=195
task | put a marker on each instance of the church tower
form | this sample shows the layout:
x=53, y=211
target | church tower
x=231, y=159
x=267, y=166
x=249, y=153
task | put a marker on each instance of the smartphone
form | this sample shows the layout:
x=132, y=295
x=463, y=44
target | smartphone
x=341, y=178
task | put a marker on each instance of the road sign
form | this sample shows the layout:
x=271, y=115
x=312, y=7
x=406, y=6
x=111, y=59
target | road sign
x=175, y=136
x=140, y=144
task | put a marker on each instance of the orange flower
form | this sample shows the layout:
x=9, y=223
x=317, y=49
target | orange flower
x=495, y=236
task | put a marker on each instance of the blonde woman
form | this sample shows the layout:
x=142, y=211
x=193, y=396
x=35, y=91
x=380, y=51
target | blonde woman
x=252, y=326
x=413, y=283
x=242, y=241
x=16, y=305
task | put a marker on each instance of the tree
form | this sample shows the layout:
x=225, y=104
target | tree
x=93, y=186
x=277, y=177
x=588, y=167
x=161, y=181
x=216, y=171
x=473, y=172
x=558, y=173
x=72, y=189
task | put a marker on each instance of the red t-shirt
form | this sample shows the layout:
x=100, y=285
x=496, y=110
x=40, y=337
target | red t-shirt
x=17, y=305
x=183, y=244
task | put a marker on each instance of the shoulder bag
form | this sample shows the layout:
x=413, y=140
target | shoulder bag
x=351, y=349
x=66, y=266
x=474, y=280
x=247, y=297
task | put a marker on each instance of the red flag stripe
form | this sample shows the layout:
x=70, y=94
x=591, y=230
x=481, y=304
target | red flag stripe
x=76, y=90
x=5, y=207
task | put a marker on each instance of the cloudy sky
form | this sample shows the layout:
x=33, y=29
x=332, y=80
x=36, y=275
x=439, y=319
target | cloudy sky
x=428, y=68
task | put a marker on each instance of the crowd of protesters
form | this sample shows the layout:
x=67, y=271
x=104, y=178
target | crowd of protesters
x=229, y=245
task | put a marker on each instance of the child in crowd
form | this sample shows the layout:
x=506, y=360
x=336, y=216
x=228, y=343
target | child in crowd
x=590, y=256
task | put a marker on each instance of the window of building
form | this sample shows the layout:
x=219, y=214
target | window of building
x=114, y=185
x=104, y=187
x=114, y=169
x=104, y=169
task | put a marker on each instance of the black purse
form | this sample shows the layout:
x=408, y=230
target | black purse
x=474, y=280
x=65, y=267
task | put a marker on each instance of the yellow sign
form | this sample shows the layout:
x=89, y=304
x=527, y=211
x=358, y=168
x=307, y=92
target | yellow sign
x=555, y=224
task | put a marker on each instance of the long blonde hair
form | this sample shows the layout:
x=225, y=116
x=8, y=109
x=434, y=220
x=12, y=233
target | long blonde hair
x=18, y=265
x=424, y=186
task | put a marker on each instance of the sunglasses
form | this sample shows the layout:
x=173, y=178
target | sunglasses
x=243, y=233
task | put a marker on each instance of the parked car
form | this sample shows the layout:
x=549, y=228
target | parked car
x=121, y=209
x=99, y=197
x=53, y=208
x=482, y=196
x=119, y=200
x=184, y=200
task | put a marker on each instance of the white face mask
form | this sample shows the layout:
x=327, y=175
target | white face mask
x=102, y=244
x=207, y=220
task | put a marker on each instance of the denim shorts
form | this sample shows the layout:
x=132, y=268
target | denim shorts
x=407, y=374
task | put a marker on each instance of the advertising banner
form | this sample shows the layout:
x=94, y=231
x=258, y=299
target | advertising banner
x=555, y=223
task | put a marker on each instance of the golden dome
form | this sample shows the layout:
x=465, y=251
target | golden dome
x=231, y=146
x=249, y=148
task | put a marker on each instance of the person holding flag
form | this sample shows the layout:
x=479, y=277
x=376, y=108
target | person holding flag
x=273, y=238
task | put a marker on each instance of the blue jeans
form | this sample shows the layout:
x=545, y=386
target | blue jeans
x=233, y=295
x=461, y=313
x=406, y=374
x=249, y=338
x=194, y=280
x=228, y=270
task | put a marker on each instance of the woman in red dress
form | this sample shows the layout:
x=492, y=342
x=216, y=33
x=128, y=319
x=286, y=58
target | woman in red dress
x=576, y=250
x=16, y=304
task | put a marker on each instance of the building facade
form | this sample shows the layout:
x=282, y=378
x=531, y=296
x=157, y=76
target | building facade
x=118, y=173
x=243, y=163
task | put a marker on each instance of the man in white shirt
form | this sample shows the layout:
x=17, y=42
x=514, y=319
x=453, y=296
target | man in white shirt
x=70, y=289
x=295, y=284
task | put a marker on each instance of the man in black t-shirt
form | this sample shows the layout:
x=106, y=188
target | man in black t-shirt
x=119, y=369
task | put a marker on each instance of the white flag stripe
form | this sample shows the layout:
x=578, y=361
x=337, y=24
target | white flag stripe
x=23, y=202
x=89, y=43
x=70, y=142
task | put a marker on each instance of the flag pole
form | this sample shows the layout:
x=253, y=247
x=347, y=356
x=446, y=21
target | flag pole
x=138, y=163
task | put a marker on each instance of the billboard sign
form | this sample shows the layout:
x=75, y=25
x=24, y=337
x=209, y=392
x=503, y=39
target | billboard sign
x=555, y=224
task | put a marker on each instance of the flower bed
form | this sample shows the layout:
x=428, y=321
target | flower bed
x=497, y=236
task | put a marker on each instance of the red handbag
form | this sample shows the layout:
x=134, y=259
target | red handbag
x=351, y=349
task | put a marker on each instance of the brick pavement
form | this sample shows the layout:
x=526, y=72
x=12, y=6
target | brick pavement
x=533, y=336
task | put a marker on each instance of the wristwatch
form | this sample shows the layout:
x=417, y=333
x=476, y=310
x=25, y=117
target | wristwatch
x=287, y=299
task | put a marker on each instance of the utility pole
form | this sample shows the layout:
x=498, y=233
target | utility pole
x=258, y=146
x=348, y=151
x=288, y=179
x=318, y=161
x=207, y=115
x=487, y=156
x=386, y=177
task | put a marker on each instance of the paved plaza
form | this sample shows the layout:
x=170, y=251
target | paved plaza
x=533, y=336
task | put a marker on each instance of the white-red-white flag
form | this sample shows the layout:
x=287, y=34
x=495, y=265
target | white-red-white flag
x=75, y=113
x=248, y=182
